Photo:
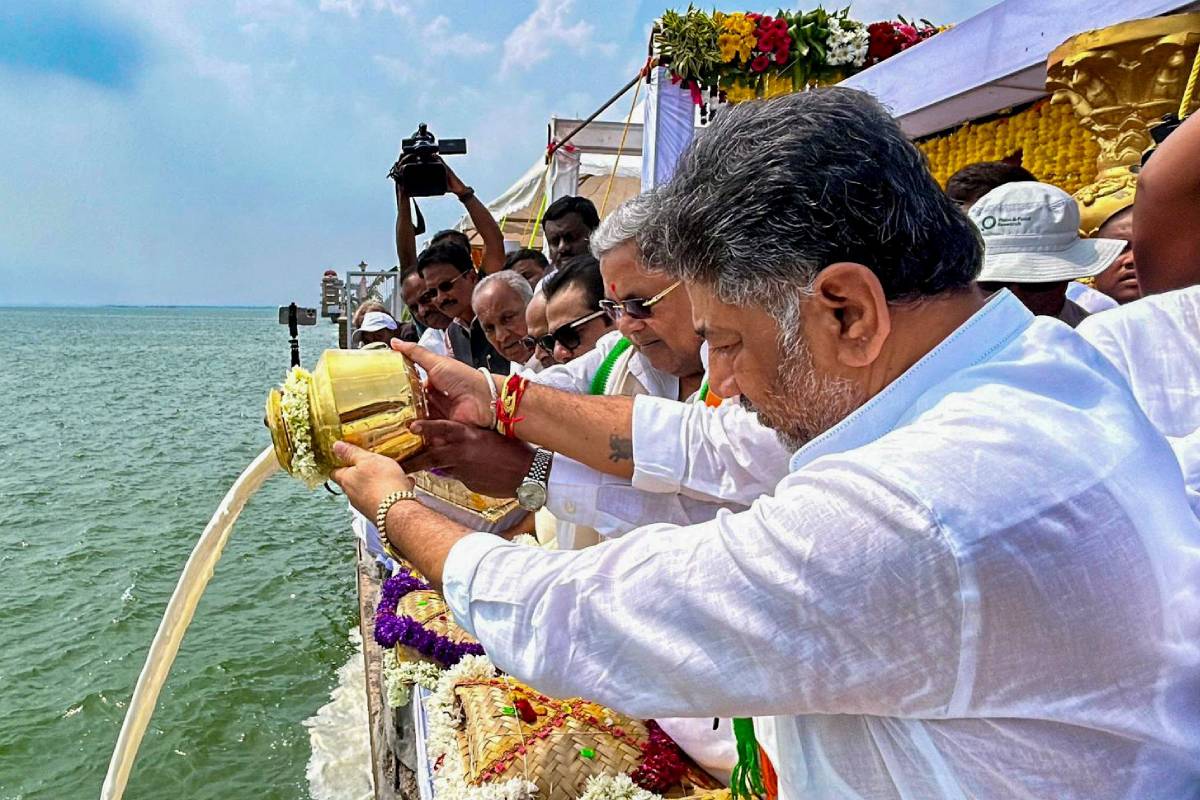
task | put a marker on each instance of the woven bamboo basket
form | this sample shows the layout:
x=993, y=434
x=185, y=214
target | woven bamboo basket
x=511, y=731
x=429, y=609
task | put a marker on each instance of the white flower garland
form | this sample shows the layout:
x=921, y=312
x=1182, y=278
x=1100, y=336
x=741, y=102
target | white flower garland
x=526, y=540
x=847, y=43
x=615, y=787
x=298, y=421
x=400, y=677
x=444, y=719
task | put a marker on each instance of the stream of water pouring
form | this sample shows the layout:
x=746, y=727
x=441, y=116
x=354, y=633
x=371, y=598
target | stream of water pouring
x=178, y=615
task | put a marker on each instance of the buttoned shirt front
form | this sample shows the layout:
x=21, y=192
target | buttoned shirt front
x=980, y=584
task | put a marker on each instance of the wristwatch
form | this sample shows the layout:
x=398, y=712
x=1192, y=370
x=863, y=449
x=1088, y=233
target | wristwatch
x=531, y=494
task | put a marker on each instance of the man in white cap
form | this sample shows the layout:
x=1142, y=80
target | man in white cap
x=376, y=329
x=1032, y=247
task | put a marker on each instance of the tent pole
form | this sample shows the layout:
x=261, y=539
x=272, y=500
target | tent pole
x=555, y=145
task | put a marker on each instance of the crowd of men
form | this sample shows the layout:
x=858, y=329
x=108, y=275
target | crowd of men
x=907, y=474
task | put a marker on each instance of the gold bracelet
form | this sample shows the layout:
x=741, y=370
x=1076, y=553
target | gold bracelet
x=385, y=507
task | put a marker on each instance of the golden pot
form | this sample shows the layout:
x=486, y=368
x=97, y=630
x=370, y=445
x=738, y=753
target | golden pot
x=365, y=397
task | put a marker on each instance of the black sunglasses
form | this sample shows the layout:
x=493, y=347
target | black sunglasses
x=445, y=286
x=635, y=307
x=566, y=335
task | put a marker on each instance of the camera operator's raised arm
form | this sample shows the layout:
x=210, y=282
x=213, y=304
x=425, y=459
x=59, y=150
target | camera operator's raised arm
x=406, y=235
x=482, y=219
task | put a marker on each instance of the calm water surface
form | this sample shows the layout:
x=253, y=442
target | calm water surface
x=124, y=428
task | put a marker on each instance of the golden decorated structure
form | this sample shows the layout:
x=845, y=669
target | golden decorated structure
x=1109, y=87
x=1120, y=81
x=1046, y=139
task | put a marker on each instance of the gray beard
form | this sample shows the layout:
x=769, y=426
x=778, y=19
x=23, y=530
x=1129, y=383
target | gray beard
x=802, y=404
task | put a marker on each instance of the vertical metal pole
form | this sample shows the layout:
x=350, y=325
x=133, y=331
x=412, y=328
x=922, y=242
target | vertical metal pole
x=295, y=333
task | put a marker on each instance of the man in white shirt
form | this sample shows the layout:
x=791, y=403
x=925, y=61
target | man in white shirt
x=978, y=579
x=499, y=301
x=654, y=354
x=1155, y=342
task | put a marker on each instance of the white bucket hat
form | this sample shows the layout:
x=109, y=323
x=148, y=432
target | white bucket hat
x=1031, y=235
x=376, y=321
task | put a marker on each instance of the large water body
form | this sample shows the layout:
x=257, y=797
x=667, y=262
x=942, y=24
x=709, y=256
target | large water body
x=123, y=429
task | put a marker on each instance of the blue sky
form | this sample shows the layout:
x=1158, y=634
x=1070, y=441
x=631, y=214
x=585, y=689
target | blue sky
x=231, y=150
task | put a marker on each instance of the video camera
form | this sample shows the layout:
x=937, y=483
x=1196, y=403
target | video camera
x=420, y=170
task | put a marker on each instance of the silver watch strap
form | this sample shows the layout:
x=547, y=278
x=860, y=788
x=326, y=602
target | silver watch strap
x=539, y=470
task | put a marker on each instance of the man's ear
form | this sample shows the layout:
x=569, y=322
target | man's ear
x=849, y=309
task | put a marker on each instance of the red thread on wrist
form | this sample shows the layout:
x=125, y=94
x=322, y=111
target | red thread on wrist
x=507, y=404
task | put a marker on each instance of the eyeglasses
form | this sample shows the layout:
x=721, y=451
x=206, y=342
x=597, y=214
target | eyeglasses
x=444, y=287
x=566, y=335
x=635, y=307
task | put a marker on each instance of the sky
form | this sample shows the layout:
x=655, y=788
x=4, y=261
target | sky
x=229, y=151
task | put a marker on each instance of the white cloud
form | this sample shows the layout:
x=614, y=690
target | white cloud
x=533, y=41
x=438, y=37
x=353, y=8
x=398, y=69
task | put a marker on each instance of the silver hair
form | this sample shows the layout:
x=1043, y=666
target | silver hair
x=622, y=225
x=509, y=278
x=774, y=191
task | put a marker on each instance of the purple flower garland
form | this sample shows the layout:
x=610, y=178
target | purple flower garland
x=392, y=629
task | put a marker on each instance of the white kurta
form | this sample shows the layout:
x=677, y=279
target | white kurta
x=1089, y=299
x=579, y=495
x=981, y=584
x=1155, y=344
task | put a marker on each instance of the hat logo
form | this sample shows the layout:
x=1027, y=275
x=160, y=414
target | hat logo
x=988, y=223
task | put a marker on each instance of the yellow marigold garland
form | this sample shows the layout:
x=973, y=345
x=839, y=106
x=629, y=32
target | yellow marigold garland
x=1053, y=146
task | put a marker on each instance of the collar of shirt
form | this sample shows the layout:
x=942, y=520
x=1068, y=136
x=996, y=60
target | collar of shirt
x=1001, y=319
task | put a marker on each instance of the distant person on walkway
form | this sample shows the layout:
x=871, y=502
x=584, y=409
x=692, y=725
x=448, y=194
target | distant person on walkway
x=567, y=225
x=530, y=264
x=1032, y=247
x=499, y=301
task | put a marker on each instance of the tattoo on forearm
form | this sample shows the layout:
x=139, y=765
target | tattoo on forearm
x=619, y=448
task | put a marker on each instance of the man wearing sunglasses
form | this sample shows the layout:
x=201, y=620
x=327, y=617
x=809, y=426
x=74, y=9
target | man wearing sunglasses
x=536, y=328
x=573, y=312
x=450, y=278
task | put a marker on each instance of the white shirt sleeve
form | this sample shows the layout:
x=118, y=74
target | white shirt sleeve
x=579, y=494
x=721, y=453
x=787, y=608
x=576, y=376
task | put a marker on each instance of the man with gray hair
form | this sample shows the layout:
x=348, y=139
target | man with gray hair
x=977, y=579
x=499, y=301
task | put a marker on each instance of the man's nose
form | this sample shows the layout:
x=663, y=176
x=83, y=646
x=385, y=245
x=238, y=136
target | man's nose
x=721, y=378
x=628, y=325
x=561, y=354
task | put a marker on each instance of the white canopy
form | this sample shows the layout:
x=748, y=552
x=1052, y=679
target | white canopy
x=992, y=61
x=601, y=156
